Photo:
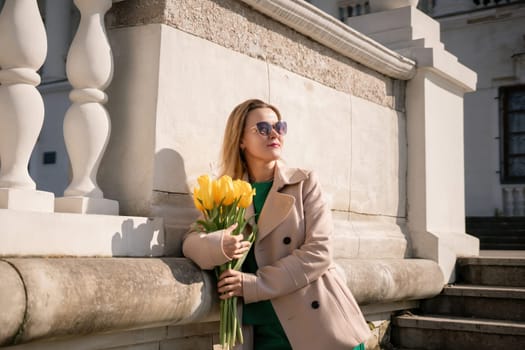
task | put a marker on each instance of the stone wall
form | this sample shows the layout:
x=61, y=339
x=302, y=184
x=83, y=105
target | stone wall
x=180, y=68
x=234, y=25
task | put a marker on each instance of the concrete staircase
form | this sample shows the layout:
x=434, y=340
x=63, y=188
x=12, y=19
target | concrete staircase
x=484, y=310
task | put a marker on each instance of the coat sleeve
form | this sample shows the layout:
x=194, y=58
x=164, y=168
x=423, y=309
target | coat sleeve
x=205, y=249
x=307, y=263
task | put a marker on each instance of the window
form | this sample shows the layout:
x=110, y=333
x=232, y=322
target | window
x=351, y=8
x=512, y=103
x=427, y=6
x=49, y=158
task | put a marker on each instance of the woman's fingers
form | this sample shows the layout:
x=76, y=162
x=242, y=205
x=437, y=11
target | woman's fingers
x=240, y=249
x=230, y=284
x=230, y=229
x=234, y=246
x=229, y=276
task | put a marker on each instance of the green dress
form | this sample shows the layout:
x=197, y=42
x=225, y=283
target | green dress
x=268, y=334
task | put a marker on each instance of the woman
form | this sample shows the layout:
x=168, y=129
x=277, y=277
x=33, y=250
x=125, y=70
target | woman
x=293, y=297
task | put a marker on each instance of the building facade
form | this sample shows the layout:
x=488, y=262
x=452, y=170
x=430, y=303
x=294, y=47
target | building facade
x=488, y=37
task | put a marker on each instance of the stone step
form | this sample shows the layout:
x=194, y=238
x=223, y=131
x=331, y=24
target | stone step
x=435, y=332
x=502, y=221
x=484, y=230
x=501, y=243
x=502, y=303
x=491, y=271
x=501, y=246
x=506, y=233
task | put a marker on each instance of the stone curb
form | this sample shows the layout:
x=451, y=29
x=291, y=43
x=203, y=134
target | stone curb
x=47, y=298
x=79, y=296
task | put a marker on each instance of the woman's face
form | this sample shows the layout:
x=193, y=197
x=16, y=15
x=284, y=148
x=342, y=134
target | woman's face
x=260, y=148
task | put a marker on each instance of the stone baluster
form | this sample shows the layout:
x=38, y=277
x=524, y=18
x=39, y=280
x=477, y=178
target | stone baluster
x=519, y=201
x=508, y=201
x=86, y=124
x=23, y=46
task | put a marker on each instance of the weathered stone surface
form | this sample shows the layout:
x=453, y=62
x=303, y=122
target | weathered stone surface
x=136, y=339
x=369, y=237
x=238, y=27
x=379, y=160
x=12, y=302
x=393, y=279
x=83, y=296
x=66, y=234
x=204, y=342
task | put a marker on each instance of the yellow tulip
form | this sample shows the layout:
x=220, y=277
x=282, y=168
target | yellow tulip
x=223, y=190
x=238, y=188
x=205, y=191
x=198, y=204
x=216, y=192
x=215, y=199
x=247, y=194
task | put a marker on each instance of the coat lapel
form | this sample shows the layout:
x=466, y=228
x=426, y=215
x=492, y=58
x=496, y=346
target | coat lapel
x=277, y=205
x=275, y=210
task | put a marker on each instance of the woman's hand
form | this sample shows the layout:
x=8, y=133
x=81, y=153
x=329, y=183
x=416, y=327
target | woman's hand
x=230, y=284
x=234, y=246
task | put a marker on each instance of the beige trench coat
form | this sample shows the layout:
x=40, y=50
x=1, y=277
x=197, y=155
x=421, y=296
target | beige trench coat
x=296, y=272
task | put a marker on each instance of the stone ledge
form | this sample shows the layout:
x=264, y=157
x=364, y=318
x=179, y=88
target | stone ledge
x=369, y=239
x=376, y=281
x=12, y=302
x=64, y=234
x=75, y=235
x=325, y=29
x=86, y=205
x=82, y=296
x=26, y=200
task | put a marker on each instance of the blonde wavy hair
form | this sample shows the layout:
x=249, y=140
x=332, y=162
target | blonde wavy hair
x=232, y=159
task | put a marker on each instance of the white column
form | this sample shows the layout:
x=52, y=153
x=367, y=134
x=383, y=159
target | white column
x=508, y=201
x=519, y=201
x=434, y=111
x=23, y=46
x=87, y=125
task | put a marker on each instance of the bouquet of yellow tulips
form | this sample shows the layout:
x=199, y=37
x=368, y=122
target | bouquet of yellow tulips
x=223, y=202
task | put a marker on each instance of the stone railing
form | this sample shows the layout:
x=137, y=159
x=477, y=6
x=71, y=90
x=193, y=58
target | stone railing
x=23, y=46
x=490, y=3
x=513, y=198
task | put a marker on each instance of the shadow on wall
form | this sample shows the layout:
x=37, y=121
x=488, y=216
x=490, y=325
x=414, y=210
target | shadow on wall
x=146, y=239
x=402, y=208
x=170, y=173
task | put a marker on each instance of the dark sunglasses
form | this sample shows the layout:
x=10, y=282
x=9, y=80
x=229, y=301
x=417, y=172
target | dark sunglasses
x=265, y=128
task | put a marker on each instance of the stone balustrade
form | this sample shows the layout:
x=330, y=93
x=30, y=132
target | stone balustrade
x=23, y=47
x=513, y=198
x=488, y=3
